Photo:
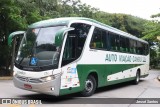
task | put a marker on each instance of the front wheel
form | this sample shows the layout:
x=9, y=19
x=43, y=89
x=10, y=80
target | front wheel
x=90, y=86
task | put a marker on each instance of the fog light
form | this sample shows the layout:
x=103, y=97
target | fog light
x=52, y=88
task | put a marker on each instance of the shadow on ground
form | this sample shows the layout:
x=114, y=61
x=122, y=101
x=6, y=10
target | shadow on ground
x=73, y=98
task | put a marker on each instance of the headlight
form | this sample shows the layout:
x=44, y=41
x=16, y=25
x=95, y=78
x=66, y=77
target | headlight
x=48, y=78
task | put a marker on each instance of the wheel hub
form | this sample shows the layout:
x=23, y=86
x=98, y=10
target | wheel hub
x=89, y=85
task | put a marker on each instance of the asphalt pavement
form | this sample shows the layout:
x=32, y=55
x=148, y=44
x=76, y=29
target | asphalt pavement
x=119, y=95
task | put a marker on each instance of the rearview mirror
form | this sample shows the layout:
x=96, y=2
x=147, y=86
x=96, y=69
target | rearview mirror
x=60, y=35
x=12, y=35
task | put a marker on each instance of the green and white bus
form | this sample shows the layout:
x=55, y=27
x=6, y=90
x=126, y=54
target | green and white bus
x=68, y=55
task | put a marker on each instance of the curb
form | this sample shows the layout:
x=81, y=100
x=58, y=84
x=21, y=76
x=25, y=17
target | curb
x=6, y=78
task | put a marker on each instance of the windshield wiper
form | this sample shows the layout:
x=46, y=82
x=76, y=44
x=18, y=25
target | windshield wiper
x=21, y=61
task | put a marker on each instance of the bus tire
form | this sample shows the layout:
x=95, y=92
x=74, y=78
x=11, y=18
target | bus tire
x=90, y=86
x=137, y=79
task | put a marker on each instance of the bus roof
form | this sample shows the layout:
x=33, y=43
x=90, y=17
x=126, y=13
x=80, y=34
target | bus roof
x=65, y=21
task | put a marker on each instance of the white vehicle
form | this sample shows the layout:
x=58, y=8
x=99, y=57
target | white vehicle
x=68, y=55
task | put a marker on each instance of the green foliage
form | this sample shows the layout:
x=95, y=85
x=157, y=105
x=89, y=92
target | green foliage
x=151, y=31
x=150, y=34
x=10, y=20
x=18, y=14
x=156, y=15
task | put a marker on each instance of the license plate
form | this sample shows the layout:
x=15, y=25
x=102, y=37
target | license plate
x=27, y=86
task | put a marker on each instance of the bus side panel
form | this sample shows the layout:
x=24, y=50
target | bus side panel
x=83, y=72
x=70, y=79
x=106, y=72
x=125, y=72
x=86, y=69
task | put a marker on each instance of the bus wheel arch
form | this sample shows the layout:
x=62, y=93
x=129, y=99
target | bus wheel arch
x=91, y=84
x=95, y=75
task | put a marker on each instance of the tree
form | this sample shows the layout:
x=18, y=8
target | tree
x=151, y=32
x=10, y=20
x=18, y=14
x=13, y=16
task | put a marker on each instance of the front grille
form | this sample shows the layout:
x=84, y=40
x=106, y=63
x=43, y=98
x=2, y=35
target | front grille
x=21, y=78
x=28, y=79
x=33, y=80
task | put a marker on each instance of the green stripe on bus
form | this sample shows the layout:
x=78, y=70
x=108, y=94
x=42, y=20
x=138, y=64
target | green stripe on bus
x=102, y=71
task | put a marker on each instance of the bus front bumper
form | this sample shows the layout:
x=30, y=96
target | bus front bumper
x=51, y=87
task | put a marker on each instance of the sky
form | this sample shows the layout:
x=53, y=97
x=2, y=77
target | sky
x=141, y=8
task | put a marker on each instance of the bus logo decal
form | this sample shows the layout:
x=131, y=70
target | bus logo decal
x=71, y=70
x=27, y=79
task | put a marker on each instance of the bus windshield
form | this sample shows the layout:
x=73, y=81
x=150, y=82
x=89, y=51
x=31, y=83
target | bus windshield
x=38, y=50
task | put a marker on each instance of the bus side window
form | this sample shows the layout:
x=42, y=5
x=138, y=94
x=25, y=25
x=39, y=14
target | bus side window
x=122, y=44
x=109, y=41
x=146, y=49
x=132, y=46
x=117, y=38
x=115, y=42
x=139, y=46
x=112, y=42
x=96, y=41
x=104, y=39
x=127, y=45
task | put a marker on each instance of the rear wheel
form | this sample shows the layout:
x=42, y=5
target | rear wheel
x=137, y=79
x=90, y=86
